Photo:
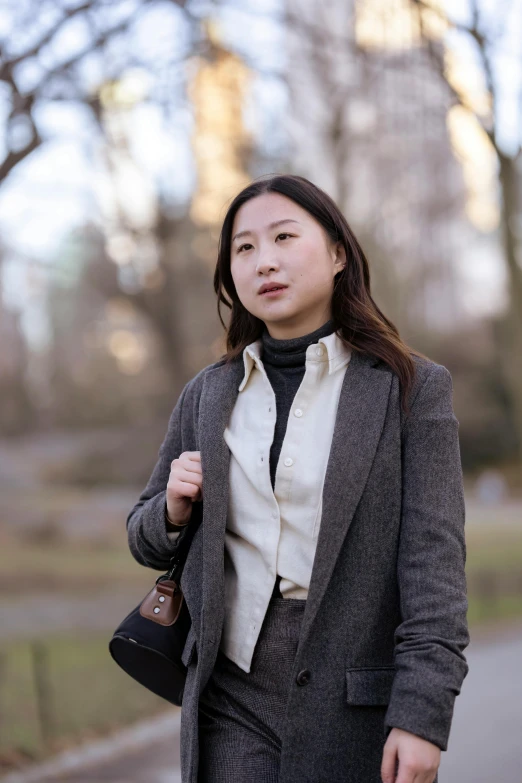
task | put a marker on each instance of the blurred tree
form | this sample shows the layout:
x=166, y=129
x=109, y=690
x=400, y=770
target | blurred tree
x=16, y=409
x=151, y=251
x=53, y=53
x=163, y=262
x=479, y=91
x=47, y=56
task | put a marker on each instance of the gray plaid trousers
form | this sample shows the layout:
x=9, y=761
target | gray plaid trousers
x=241, y=714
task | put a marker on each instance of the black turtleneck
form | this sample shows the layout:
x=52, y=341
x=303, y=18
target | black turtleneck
x=284, y=362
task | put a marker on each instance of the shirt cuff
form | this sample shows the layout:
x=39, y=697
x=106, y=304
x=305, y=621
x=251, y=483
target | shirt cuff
x=172, y=536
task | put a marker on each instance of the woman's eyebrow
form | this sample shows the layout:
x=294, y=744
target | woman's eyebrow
x=270, y=225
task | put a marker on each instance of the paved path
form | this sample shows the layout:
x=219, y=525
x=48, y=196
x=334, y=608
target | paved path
x=145, y=753
x=157, y=764
x=485, y=744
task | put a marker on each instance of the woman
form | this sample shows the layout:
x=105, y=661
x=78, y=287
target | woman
x=326, y=583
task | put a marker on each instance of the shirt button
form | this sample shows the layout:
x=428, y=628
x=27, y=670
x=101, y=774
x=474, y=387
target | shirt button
x=319, y=350
x=289, y=461
x=298, y=412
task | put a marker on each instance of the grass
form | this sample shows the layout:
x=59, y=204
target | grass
x=494, y=572
x=85, y=694
x=508, y=607
x=495, y=548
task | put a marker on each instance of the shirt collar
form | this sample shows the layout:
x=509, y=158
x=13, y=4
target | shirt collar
x=336, y=353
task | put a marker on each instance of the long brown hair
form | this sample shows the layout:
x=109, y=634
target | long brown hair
x=356, y=318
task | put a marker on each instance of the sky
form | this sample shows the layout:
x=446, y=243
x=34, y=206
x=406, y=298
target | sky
x=55, y=189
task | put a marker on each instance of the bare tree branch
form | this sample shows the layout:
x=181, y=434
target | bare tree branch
x=68, y=14
x=49, y=87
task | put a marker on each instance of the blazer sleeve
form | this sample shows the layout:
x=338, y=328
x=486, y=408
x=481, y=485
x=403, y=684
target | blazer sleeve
x=429, y=641
x=147, y=533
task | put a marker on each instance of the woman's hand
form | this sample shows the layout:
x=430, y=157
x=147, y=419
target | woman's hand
x=185, y=485
x=418, y=759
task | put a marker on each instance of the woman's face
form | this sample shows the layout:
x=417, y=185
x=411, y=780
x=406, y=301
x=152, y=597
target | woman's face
x=295, y=253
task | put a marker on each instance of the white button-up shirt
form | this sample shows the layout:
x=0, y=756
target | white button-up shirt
x=274, y=531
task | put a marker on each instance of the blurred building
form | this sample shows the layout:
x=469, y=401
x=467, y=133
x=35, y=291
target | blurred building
x=370, y=121
x=221, y=144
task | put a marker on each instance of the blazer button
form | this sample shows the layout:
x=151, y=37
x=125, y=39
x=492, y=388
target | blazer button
x=303, y=677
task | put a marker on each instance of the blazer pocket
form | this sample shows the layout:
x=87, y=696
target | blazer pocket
x=190, y=647
x=369, y=685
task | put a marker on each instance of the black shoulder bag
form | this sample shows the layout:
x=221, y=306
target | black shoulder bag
x=149, y=642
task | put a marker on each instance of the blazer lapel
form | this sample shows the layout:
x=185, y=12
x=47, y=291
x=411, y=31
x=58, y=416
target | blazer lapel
x=359, y=422
x=218, y=397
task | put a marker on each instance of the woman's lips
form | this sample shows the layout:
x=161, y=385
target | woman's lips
x=274, y=292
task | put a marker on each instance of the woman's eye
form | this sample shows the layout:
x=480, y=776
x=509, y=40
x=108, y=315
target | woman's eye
x=247, y=244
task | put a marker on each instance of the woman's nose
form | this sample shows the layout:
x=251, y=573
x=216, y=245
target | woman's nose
x=266, y=264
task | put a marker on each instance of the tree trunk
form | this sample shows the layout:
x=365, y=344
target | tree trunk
x=512, y=353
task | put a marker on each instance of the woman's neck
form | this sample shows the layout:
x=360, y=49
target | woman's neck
x=291, y=352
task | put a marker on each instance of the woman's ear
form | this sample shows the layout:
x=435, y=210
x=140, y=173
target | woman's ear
x=340, y=258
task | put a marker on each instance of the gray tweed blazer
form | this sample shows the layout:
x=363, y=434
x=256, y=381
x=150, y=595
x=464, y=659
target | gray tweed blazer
x=385, y=623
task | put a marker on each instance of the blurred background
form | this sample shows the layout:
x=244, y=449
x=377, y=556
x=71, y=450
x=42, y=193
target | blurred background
x=126, y=127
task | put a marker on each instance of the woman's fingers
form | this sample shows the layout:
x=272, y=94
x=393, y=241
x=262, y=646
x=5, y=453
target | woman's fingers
x=187, y=473
x=189, y=461
x=189, y=489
